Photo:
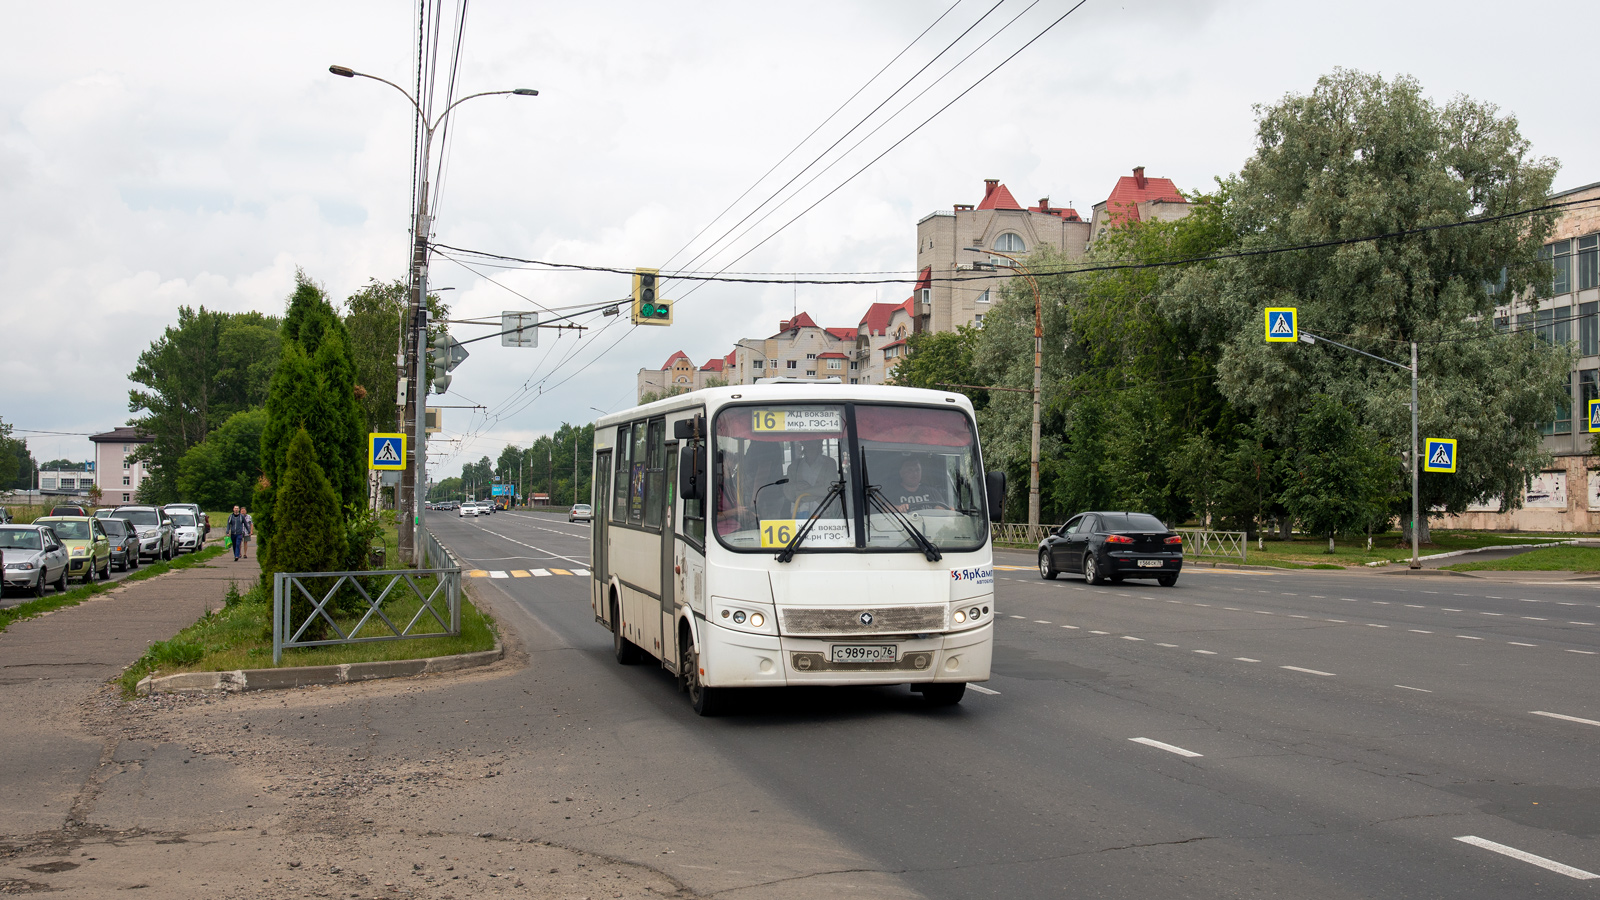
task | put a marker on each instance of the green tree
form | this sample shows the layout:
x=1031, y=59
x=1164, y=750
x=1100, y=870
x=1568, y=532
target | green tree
x=311, y=537
x=16, y=463
x=1336, y=476
x=202, y=370
x=936, y=359
x=1362, y=155
x=447, y=489
x=221, y=472
x=373, y=318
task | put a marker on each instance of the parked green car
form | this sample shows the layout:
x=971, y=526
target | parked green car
x=88, y=548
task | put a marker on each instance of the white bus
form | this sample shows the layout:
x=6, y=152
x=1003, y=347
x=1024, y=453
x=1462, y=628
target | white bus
x=797, y=533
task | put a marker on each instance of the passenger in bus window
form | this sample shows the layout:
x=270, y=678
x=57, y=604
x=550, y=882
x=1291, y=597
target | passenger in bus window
x=810, y=475
x=912, y=492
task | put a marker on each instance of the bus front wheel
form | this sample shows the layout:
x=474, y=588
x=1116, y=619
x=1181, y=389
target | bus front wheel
x=943, y=693
x=626, y=651
x=707, y=701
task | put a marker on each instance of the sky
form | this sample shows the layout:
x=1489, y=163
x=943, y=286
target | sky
x=167, y=154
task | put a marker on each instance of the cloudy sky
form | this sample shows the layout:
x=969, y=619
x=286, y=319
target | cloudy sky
x=155, y=155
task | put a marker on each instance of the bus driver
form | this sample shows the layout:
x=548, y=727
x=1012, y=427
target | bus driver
x=911, y=493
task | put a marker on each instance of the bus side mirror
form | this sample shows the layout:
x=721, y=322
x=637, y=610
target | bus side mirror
x=690, y=484
x=691, y=429
x=994, y=484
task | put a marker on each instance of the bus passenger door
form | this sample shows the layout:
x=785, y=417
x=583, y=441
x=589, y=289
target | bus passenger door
x=599, y=534
x=669, y=564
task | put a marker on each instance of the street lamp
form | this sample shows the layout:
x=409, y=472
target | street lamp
x=416, y=385
x=1038, y=378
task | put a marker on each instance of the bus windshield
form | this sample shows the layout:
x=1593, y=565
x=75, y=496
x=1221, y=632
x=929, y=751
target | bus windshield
x=776, y=464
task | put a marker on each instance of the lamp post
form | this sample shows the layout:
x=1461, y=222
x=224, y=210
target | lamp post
x=1038, y=380
x=417, y=386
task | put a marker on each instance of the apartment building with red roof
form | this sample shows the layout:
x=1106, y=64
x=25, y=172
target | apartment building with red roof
x=1138, y=198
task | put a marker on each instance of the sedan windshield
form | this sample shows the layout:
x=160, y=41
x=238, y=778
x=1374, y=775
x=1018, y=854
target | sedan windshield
x=181, y=519
x=141, y=518
x=19, y=539
x=114, y=527
x=71, y=531
x=779, y=465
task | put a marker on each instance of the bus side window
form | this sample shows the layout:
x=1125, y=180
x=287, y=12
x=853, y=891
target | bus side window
x=619, y=482
x=655, y=475
x=692, y=459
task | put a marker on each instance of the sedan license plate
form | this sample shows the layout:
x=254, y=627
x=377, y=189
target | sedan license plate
x=1150, y=563
x=863, y=653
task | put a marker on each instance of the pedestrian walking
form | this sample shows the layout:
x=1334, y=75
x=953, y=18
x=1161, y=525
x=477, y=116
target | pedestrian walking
x=236, y=532
x=249, y=529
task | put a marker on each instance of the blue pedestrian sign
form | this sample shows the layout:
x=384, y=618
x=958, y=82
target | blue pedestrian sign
x=1594, y=415
x=1441, y=455
x=1283, y=324
x=386, y=452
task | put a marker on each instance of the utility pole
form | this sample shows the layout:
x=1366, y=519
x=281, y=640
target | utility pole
x=414, y=479
x=575, y=433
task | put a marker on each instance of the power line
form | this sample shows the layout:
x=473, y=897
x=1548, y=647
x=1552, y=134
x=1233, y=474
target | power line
x=813, y=133
x=1040, y=272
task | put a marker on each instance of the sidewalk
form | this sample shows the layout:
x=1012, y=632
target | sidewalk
x=49, y=665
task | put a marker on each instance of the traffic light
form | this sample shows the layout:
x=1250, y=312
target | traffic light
x=439, y=362
x=648, y=309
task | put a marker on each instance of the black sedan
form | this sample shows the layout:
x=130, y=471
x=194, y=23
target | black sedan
x=124, y=543
x=1112, y=546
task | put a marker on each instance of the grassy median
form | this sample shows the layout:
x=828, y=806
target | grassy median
x=77, y=595
x=1545, y=559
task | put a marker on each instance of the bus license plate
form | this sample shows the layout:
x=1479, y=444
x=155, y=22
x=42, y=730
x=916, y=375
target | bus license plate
x=1150, y=563
x=864, y=653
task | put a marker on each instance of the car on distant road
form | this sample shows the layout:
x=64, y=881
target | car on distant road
x=124, y=543
x=582, y=511
x=70, y=509
x=186, y=535
x=467, y=509
x=154, y=527
x=34, y=558
x=88, y=550
x=1112, y=546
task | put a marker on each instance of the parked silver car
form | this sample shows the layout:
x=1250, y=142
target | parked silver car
x=34, y=557
x=155, y=530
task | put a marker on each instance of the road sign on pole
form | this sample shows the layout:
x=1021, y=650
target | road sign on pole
x=1283, y=324
x=386, y=451
x=1441, y=455
x=519, y=329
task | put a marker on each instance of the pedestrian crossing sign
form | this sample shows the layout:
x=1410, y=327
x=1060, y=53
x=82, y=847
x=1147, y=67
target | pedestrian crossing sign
x=1283, y=324
x=386, y=451
x=1594, y=415
x=1441, y=455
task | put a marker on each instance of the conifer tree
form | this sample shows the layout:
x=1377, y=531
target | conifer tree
x=311, y=532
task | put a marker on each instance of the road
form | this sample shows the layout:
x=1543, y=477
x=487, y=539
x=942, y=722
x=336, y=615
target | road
x=1244, y=733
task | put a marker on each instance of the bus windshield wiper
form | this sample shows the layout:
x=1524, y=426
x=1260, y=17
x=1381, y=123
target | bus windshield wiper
x=875, y=494
x=834, y=490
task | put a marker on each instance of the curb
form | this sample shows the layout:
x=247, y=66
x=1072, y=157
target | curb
x=301, y=676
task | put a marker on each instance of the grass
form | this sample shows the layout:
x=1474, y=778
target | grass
x=77, y=595
x=239, y=636
x=1545, y=559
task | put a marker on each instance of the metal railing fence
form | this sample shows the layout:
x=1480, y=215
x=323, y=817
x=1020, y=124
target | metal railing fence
x=307, y=606
x=1018, y=533
x=1202, y=542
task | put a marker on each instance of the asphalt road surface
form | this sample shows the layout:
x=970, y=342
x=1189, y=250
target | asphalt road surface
x=1243, y=734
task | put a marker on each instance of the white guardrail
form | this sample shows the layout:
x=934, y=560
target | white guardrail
x=1196, y=541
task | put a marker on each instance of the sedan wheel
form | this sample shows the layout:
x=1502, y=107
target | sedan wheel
x=1047, y=569
x=1167, y=580
x=61, y=583
x=1091, y=570
x=38, y=587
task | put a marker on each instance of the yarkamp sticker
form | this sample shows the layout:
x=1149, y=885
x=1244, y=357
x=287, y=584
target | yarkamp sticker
x=977, y=576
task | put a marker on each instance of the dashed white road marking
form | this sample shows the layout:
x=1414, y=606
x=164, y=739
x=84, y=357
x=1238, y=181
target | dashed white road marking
x=1245, y=659
x=1538, y=619
x=1490, y=614
x=1129, y=637
x=1262, y=612
x=1468, y=637
x=1415, y=606
x=1207, y=652
x=1520, y=644
x=1166, y=645
x=1073, y=627
x=983, y=690
x=1340, y=621
x=1374, y=625
x=1448, y=609
x=1381, y=602
x=1307, y=671
x=1292, y=616
x=1418, y=631
x=1040, y=622
x=1167, y=747
x=1231, y=608
x=1584, y=652
x=1566, y=718
x=1524, y=856
x=1019, y=617
x=1099, y=632
x=1580, y=623
x=1410, y=688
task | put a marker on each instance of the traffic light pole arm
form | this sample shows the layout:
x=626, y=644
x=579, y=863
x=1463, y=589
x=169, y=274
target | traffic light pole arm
x=1416, y=478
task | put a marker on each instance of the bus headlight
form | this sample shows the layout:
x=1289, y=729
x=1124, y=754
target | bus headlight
x=757, y=620
x=960, y=616
x=742, y=615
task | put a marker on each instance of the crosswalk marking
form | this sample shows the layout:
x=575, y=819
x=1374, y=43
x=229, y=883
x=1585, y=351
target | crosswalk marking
x=518, y=573
x=525, y=573
x=498, y=574
x=559, y=572
x=540, y=573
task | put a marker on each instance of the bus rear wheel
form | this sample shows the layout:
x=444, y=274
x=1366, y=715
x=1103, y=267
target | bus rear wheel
x=626, y=651
x=707, y=701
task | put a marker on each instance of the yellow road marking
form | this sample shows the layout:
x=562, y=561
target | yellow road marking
x=559, y=572
x=518, y=573
x=477, y=573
